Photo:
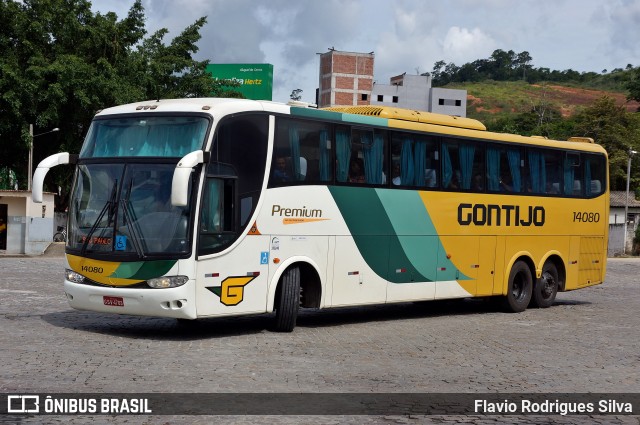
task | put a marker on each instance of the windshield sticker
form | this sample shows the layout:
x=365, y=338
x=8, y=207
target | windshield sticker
x=121, y=243
x=96, y=240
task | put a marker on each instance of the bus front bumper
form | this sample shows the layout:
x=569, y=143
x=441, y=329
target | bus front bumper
x=177, y=302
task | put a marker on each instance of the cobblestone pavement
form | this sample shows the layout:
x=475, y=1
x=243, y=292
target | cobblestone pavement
x=587, y=342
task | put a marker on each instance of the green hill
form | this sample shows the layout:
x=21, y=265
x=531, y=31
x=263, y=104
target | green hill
x=490, y=100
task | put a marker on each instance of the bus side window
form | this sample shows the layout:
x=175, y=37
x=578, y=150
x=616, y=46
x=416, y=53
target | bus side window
x=301, y=154
x=572, y=171
x=414, y=161
x=504, y=169
x=545, y=171
x=594, y=175
x=367, y=157
x=460, y=163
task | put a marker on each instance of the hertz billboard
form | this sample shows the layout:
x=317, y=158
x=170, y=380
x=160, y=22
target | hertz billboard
x=255, y=79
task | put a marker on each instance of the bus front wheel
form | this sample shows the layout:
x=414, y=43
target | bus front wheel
x=520, y=288
x=288, y=300
x=546, y=288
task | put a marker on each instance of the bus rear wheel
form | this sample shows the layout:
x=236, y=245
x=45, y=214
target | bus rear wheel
x=288, y=300
x=520, y=288
x=546, y=288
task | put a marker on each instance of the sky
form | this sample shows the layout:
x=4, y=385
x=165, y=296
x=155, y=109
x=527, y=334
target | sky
x=405, y=35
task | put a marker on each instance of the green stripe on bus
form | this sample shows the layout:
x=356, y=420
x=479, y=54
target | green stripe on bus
x=143, y=270
x=416, y=232
x=374, y=234
x=339, y=116
x=394, y=232
x=366, y=120
x=316, y=113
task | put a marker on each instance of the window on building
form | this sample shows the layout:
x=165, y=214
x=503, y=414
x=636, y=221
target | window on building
x=440, y=101
x=395, y=99
x=458, y=102
x=364, y=97
x=380, y=98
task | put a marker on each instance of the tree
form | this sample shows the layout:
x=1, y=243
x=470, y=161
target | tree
x=60, y=63
x=615, y=129
x=436, y=73
x=522, y=63
x=634, y=85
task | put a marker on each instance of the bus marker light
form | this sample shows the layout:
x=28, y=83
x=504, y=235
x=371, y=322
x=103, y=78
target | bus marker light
x=401, y=270
x=353, y=273
x=448, y=256
x=276, y=260
x=253, y=274
x=443, y=269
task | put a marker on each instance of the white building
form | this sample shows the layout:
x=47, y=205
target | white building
x=25, y=227
x=616, y=221
x=415, y=92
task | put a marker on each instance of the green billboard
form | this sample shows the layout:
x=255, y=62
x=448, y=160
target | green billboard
x=256, y=79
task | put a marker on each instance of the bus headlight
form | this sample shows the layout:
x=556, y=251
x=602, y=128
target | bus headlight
x=72, y=276
x=167, y=281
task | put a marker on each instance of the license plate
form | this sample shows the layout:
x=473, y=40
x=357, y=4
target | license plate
x=113, y=301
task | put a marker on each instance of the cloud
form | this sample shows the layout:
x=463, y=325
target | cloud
x=406, y=35
x=624, y=21
x=463, y=45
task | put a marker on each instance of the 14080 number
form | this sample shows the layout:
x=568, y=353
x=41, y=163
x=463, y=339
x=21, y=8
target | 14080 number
x=586, y=217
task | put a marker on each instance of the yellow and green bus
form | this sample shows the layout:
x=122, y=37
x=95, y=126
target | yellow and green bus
x=208, y=207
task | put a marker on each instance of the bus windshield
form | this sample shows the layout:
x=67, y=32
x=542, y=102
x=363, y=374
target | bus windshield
x=126, y=209
x=154, y=136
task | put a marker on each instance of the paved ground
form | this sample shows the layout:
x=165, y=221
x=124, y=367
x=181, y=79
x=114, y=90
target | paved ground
x=587, y=342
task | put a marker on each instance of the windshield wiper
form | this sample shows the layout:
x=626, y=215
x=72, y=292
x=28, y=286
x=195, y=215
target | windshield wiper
x=107, y=206
x=133, y=224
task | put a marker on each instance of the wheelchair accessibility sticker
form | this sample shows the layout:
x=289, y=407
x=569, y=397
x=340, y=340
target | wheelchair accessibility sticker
x=121, y=243
x=264, y=257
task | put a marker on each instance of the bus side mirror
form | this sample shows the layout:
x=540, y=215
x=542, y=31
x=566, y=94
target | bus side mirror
x=182, y=176
x=43, y=169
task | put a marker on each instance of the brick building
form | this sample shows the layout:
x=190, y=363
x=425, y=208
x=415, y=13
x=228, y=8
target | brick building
x=346, y=78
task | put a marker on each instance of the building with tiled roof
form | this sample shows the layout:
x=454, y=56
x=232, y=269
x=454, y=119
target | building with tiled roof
x=618, y=200
x=617, y=204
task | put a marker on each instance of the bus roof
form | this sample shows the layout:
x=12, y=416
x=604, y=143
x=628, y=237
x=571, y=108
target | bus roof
x=384, y=116
x=411, y=115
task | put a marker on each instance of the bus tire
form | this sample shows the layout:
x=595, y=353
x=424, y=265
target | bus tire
x=520, y=288
x=546, y=288
x=288, y=300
